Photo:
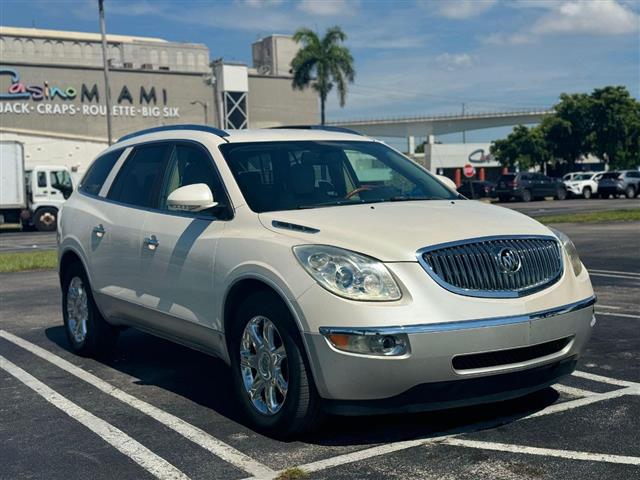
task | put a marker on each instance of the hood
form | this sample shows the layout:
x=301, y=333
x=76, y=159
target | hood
x=393, y=232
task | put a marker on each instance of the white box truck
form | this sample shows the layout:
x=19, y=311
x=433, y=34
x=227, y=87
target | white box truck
x=31, y=197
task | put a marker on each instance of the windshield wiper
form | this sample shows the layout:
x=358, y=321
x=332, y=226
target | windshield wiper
x=405, y=198
x=339, y=203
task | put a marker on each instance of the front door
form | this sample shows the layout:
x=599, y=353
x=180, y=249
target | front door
x=178, y=254
x=117, y=261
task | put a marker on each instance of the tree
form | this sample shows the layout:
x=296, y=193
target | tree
x=616, y=123
x=568, y=129
x=323, y=63
x=524, y=147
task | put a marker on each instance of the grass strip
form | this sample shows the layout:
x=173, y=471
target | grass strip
x=631, y=215
x=25, y=261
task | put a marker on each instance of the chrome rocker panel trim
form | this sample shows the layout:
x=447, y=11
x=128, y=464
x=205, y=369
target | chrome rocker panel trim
x=462, y=324
x=484, y=293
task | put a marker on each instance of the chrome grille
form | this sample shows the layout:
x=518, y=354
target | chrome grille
x=474, y=267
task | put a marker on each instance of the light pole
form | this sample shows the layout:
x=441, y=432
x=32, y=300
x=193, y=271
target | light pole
x=205, y=106
x=107, y=96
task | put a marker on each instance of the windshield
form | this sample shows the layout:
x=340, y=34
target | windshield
x=309, y=174
x=583, y=176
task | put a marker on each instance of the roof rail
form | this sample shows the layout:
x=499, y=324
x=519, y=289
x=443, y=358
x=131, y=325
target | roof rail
x=186, y=126
x=328, y=128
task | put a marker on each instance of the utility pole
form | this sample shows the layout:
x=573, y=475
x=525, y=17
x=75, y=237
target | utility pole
x=464, y=133
x=205, y=106
x=107, y=95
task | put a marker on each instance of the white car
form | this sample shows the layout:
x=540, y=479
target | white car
x=329, y=271
x=584, y=184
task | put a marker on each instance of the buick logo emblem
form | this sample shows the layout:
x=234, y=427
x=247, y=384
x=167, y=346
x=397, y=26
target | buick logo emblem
x=509, y=260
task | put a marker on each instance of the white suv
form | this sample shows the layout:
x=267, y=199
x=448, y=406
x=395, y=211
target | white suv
x=584, y=184
x=331, y=272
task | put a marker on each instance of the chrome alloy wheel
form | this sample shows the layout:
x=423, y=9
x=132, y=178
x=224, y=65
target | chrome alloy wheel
x=77, y=309
x=263, y=365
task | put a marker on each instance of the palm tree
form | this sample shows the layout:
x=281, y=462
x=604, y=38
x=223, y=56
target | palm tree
x=327, y=60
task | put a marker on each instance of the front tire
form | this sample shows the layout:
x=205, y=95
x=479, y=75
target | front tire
x=526, y=196
x=271, y=377
x=46, y=219
x=561, y=194
x=88, y=332
x=586, y=193
x=629, y=192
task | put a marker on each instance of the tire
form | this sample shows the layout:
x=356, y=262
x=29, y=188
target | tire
x=45, y=219
x=561, y=194
x=586, y=193
x=526, y=196
x=87, y=331
x=630, y=192
x=299, y=410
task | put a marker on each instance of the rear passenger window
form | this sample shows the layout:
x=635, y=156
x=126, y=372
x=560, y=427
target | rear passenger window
x=137, y=181
x=98, y=172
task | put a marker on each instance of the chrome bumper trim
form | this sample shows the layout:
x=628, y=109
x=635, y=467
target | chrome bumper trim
x=462, y=324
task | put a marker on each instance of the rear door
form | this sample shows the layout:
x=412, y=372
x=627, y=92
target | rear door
x=117, y=262
x=178, y=252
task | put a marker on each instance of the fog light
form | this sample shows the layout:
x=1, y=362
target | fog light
x=370, y=343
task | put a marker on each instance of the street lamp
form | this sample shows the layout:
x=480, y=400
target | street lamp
x=107, y=93
x=205, y=106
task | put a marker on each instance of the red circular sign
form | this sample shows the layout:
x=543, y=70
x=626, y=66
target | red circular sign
x=469, y=170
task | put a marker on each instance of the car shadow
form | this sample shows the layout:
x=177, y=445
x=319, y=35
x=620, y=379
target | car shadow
x=206, y=381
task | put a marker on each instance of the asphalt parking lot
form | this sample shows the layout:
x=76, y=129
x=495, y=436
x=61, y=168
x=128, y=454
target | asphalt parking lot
x=155, y=409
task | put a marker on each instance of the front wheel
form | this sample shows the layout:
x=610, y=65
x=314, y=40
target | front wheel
x=87, y=331
x=270, y=374
x=45, y=219
x=586, y=193
x=629, y=192
x=561, y=194
x=526, y=196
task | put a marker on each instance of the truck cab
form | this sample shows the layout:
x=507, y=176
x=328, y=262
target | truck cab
x=48, y=187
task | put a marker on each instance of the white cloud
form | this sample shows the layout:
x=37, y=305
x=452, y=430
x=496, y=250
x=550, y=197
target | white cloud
x=454, y=61
x=326, y=8
x=457, y=9
x=604, y=17
x=506, y=39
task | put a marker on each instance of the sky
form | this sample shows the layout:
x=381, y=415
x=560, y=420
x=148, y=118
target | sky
x=412, y=57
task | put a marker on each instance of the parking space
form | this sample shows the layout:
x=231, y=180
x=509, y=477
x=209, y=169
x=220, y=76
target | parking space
x=155, y=409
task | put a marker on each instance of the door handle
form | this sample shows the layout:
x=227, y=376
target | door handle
x=99, y=231
x=151, y=242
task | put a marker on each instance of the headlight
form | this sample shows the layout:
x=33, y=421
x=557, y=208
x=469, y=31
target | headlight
x=347, y=273
x=570, y=248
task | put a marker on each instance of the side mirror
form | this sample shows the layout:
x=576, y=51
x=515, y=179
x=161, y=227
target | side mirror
x=191, y=198
x=447, y=182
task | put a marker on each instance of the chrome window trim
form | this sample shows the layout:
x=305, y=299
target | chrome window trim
x=488, y=293
x=114, y=172
x=462, y=324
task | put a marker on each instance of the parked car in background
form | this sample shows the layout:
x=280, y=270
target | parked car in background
x=623, y=182
x=477, y=189
x=527, y=186
x=570, y=176
x=329, y=271
x=584, y=184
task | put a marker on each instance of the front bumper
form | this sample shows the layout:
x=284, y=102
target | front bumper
x=426, y=378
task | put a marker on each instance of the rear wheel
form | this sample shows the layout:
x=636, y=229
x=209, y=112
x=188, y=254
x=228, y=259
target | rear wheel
x=271, y=377
x=45, y=219
x=561, y=194
x=629, y=192
x=526, y=196
x=87, y=331
x=586, y=192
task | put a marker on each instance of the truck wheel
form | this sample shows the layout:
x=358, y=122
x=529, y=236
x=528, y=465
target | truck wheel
x=526, y=196
x=45, y=219
x=586, y=193
x=561, y=194
x=630, y=192
x=87, y=331
x=271, y=377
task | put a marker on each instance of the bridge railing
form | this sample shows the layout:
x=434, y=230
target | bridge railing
x=445, y=116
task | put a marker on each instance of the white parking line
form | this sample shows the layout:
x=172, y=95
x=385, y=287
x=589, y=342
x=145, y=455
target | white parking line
x=576, y=392
x=603, y=379
x=610, y=307
x=619, y=272
x=546, y=452
x=397, y=446
x=144, y=457
x=191, y=432
x=616, y=314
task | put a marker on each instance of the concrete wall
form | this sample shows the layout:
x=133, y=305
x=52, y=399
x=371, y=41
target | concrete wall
x=273, y=102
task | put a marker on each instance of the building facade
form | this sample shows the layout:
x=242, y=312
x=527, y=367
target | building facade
x=52, y=94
